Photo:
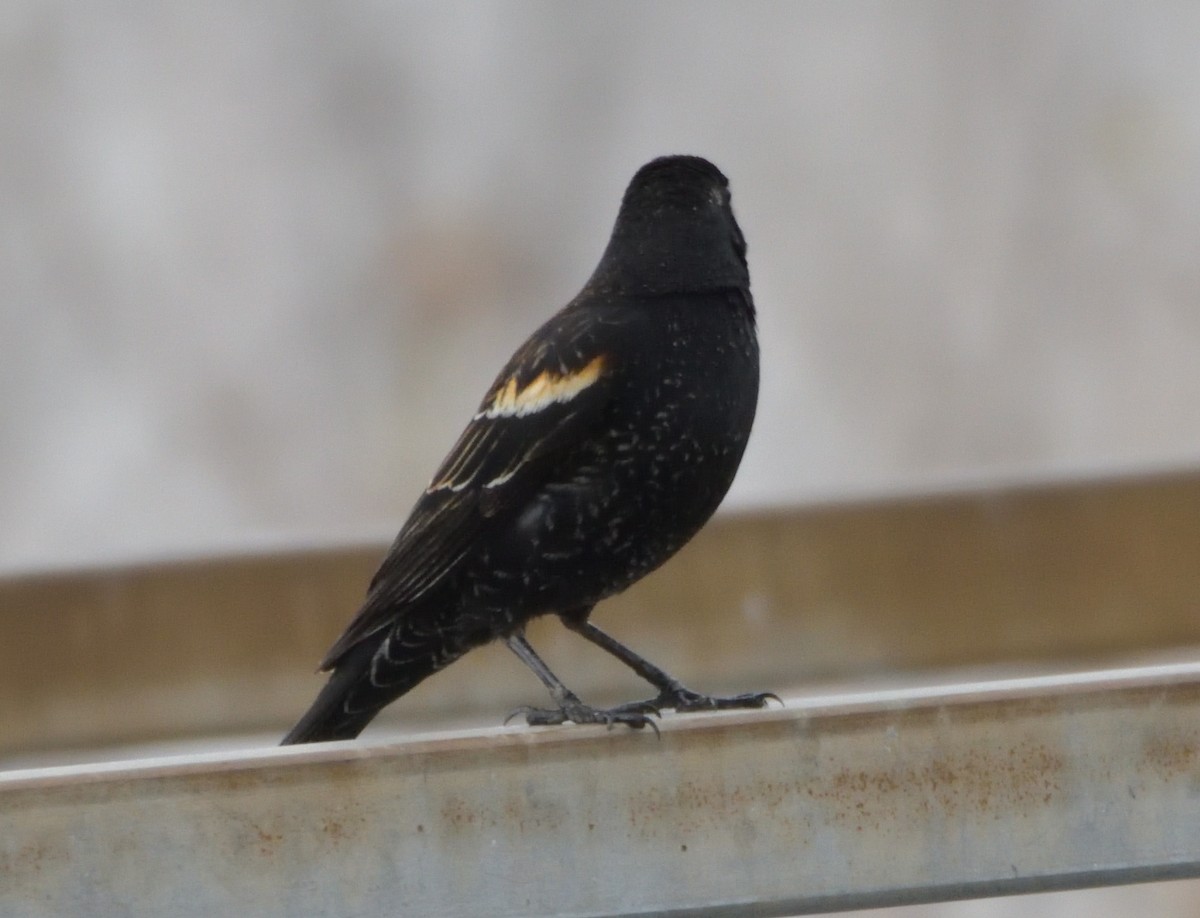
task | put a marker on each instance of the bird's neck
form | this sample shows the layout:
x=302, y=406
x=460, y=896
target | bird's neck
x=686, y=258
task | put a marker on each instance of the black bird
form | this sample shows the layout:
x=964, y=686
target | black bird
x=602, y=447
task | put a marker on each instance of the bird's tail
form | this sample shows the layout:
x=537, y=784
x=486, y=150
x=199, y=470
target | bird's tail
x=358, y=689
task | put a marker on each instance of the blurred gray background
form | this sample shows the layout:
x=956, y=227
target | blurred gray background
x=259, y=261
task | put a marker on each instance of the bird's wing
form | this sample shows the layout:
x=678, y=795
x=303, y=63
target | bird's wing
x=547, y=399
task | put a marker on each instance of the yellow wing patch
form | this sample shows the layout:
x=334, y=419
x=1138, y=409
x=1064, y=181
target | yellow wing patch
x=543, y=390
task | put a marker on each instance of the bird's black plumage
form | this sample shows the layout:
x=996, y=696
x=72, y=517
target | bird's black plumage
x=604, y=444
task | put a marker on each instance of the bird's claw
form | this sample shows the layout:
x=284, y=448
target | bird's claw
x=633, y=716
x=683, y=700
x=638, y=707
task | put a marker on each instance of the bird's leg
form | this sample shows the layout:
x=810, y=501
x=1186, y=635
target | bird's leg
x=570, y=708
x=671, y=692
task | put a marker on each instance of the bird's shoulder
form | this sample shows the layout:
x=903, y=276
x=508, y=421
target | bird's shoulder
x=547, y=395
x=548, y=398
x=571, y=341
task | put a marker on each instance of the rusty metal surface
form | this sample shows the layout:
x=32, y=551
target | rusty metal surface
x=1058, y=572
x=835, y=802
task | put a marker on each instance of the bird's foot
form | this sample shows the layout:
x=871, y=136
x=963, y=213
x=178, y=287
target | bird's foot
x=683, y=700
x=635, y=716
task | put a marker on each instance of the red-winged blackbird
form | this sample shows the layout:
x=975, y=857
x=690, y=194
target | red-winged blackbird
x=603, y=446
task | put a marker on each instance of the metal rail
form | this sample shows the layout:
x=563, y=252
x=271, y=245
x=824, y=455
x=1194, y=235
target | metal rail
x=1080, y=571
x=854, y=801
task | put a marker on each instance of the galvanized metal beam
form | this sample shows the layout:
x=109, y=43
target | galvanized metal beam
x=860, y=800
x=1057, y=572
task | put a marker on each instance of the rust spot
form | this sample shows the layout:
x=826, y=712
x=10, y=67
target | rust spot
x=457, y=813
x=266, y=840
x=1169, y=757
x=31, y=856
x=520, y=811
x=535, y=809
x=976, y=783
x=695, y=806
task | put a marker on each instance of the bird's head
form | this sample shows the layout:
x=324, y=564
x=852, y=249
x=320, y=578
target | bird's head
x=675, y=232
